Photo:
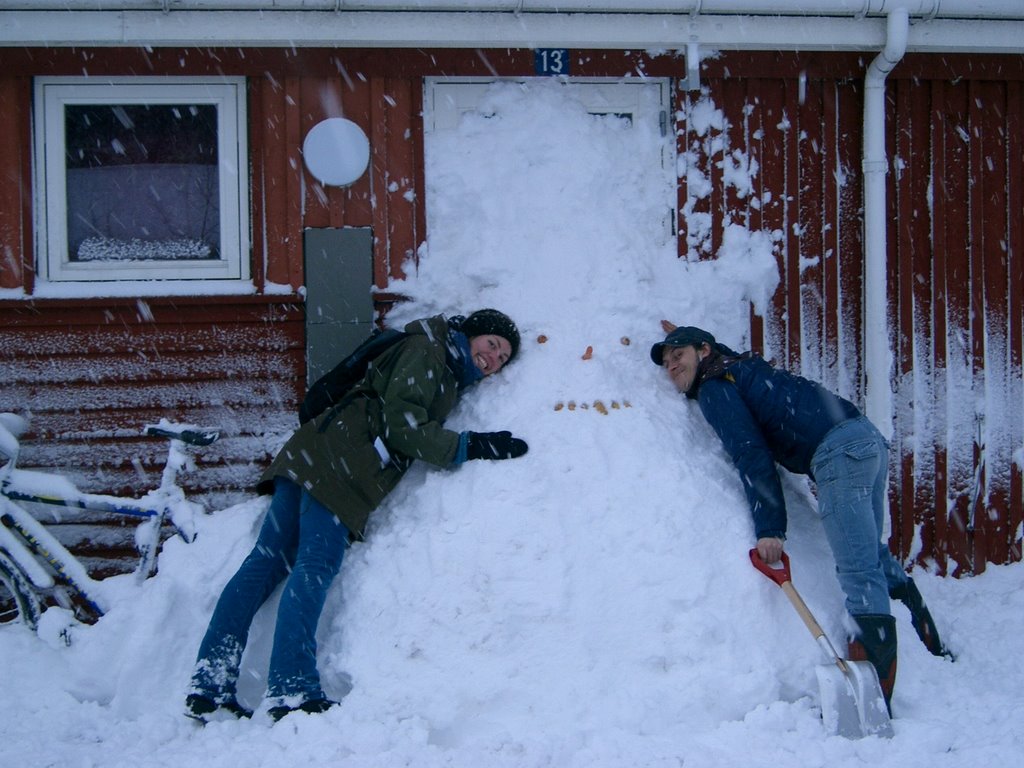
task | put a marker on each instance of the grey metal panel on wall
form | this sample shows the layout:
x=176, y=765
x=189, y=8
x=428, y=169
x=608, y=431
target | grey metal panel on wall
x=339, y=305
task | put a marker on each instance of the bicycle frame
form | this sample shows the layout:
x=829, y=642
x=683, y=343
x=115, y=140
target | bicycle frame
x=34, y=563
x=26, y=541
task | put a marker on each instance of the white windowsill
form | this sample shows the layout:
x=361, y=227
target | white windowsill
x=49, y=290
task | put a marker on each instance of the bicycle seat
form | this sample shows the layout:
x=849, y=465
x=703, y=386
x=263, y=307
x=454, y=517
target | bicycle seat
x=190, y=435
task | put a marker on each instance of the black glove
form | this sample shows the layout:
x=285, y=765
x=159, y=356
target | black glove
x=494, y=445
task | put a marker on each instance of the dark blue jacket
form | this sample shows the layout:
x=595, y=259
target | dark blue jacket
x=764, y=415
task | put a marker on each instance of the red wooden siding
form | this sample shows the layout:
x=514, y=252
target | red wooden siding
x=92, y=371
x=111, y=365
x=956, y=282
x=803, y=140
x=91, y=374
x=15, y=196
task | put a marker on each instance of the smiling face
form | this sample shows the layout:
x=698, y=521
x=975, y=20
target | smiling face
x=681, y=364
x=489, y=352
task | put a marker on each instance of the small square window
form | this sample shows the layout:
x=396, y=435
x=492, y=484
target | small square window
x=141, y=179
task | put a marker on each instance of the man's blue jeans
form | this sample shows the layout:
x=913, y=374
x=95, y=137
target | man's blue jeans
x=304, y=542
x=850, y=468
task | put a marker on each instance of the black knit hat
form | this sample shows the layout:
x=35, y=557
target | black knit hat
x=683, y=336
x=491, y=321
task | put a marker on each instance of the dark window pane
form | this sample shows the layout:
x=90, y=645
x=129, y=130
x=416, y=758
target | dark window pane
x=142, y=182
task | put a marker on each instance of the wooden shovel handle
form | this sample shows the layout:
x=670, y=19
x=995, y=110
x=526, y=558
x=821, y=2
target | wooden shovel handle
x=801, y=608
x=781, y=576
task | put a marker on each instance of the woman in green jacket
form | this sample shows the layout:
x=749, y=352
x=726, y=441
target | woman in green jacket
x=331, y=474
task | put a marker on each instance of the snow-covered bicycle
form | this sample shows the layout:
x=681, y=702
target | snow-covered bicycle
x=36, y=570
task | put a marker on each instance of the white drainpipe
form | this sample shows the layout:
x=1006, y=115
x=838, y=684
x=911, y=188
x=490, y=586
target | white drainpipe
x=878, y=356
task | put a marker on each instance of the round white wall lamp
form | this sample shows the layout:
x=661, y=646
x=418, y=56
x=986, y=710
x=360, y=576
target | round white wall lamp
x=336, y=152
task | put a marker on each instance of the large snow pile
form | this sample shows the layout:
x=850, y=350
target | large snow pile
x=590, y=604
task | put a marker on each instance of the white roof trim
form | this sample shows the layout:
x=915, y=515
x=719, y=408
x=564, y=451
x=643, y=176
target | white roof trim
x=974, y=9
x=989, y=26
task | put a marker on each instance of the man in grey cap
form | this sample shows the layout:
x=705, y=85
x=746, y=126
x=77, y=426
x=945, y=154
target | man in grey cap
x=765, y=416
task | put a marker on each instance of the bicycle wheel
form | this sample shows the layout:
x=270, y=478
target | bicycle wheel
x=18, y=600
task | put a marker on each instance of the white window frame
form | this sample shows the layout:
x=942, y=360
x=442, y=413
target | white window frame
x=226, y=93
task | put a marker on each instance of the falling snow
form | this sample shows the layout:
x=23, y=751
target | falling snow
x=590, y=604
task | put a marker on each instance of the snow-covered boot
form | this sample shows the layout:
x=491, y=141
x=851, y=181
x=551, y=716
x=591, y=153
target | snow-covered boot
x=876, y=642
x=908, y=594
x=205, y=709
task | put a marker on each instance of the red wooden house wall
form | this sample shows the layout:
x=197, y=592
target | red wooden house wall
x=91, y=371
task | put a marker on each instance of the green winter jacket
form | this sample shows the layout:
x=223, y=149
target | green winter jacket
x=351, y=456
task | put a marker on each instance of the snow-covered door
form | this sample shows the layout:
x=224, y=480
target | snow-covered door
x=538, y=147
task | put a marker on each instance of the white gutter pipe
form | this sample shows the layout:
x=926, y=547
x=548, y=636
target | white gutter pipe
x=940, y=26
x=877, y=344
x=971, y=9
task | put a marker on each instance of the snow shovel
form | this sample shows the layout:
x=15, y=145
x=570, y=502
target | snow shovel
x=852, y=704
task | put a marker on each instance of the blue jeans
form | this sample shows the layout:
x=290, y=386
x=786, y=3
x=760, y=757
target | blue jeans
x=850, y=468
x=304, y=542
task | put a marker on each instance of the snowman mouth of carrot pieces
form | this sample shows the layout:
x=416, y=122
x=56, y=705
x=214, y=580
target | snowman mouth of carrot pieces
x=597, y=405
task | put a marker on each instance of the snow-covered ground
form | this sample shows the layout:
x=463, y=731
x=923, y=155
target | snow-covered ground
x=590, y=604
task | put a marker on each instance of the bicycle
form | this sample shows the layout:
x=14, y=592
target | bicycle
x=36, y=570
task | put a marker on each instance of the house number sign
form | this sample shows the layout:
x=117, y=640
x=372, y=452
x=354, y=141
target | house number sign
x=551, y=61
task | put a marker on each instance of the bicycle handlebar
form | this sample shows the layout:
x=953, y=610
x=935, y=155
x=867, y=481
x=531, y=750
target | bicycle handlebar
x=8, y=443
x=11, y=427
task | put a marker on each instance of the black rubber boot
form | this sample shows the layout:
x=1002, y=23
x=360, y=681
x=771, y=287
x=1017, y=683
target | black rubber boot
x=876, y=643
x=204, y=709
x=920, y=617
x=310, y=707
